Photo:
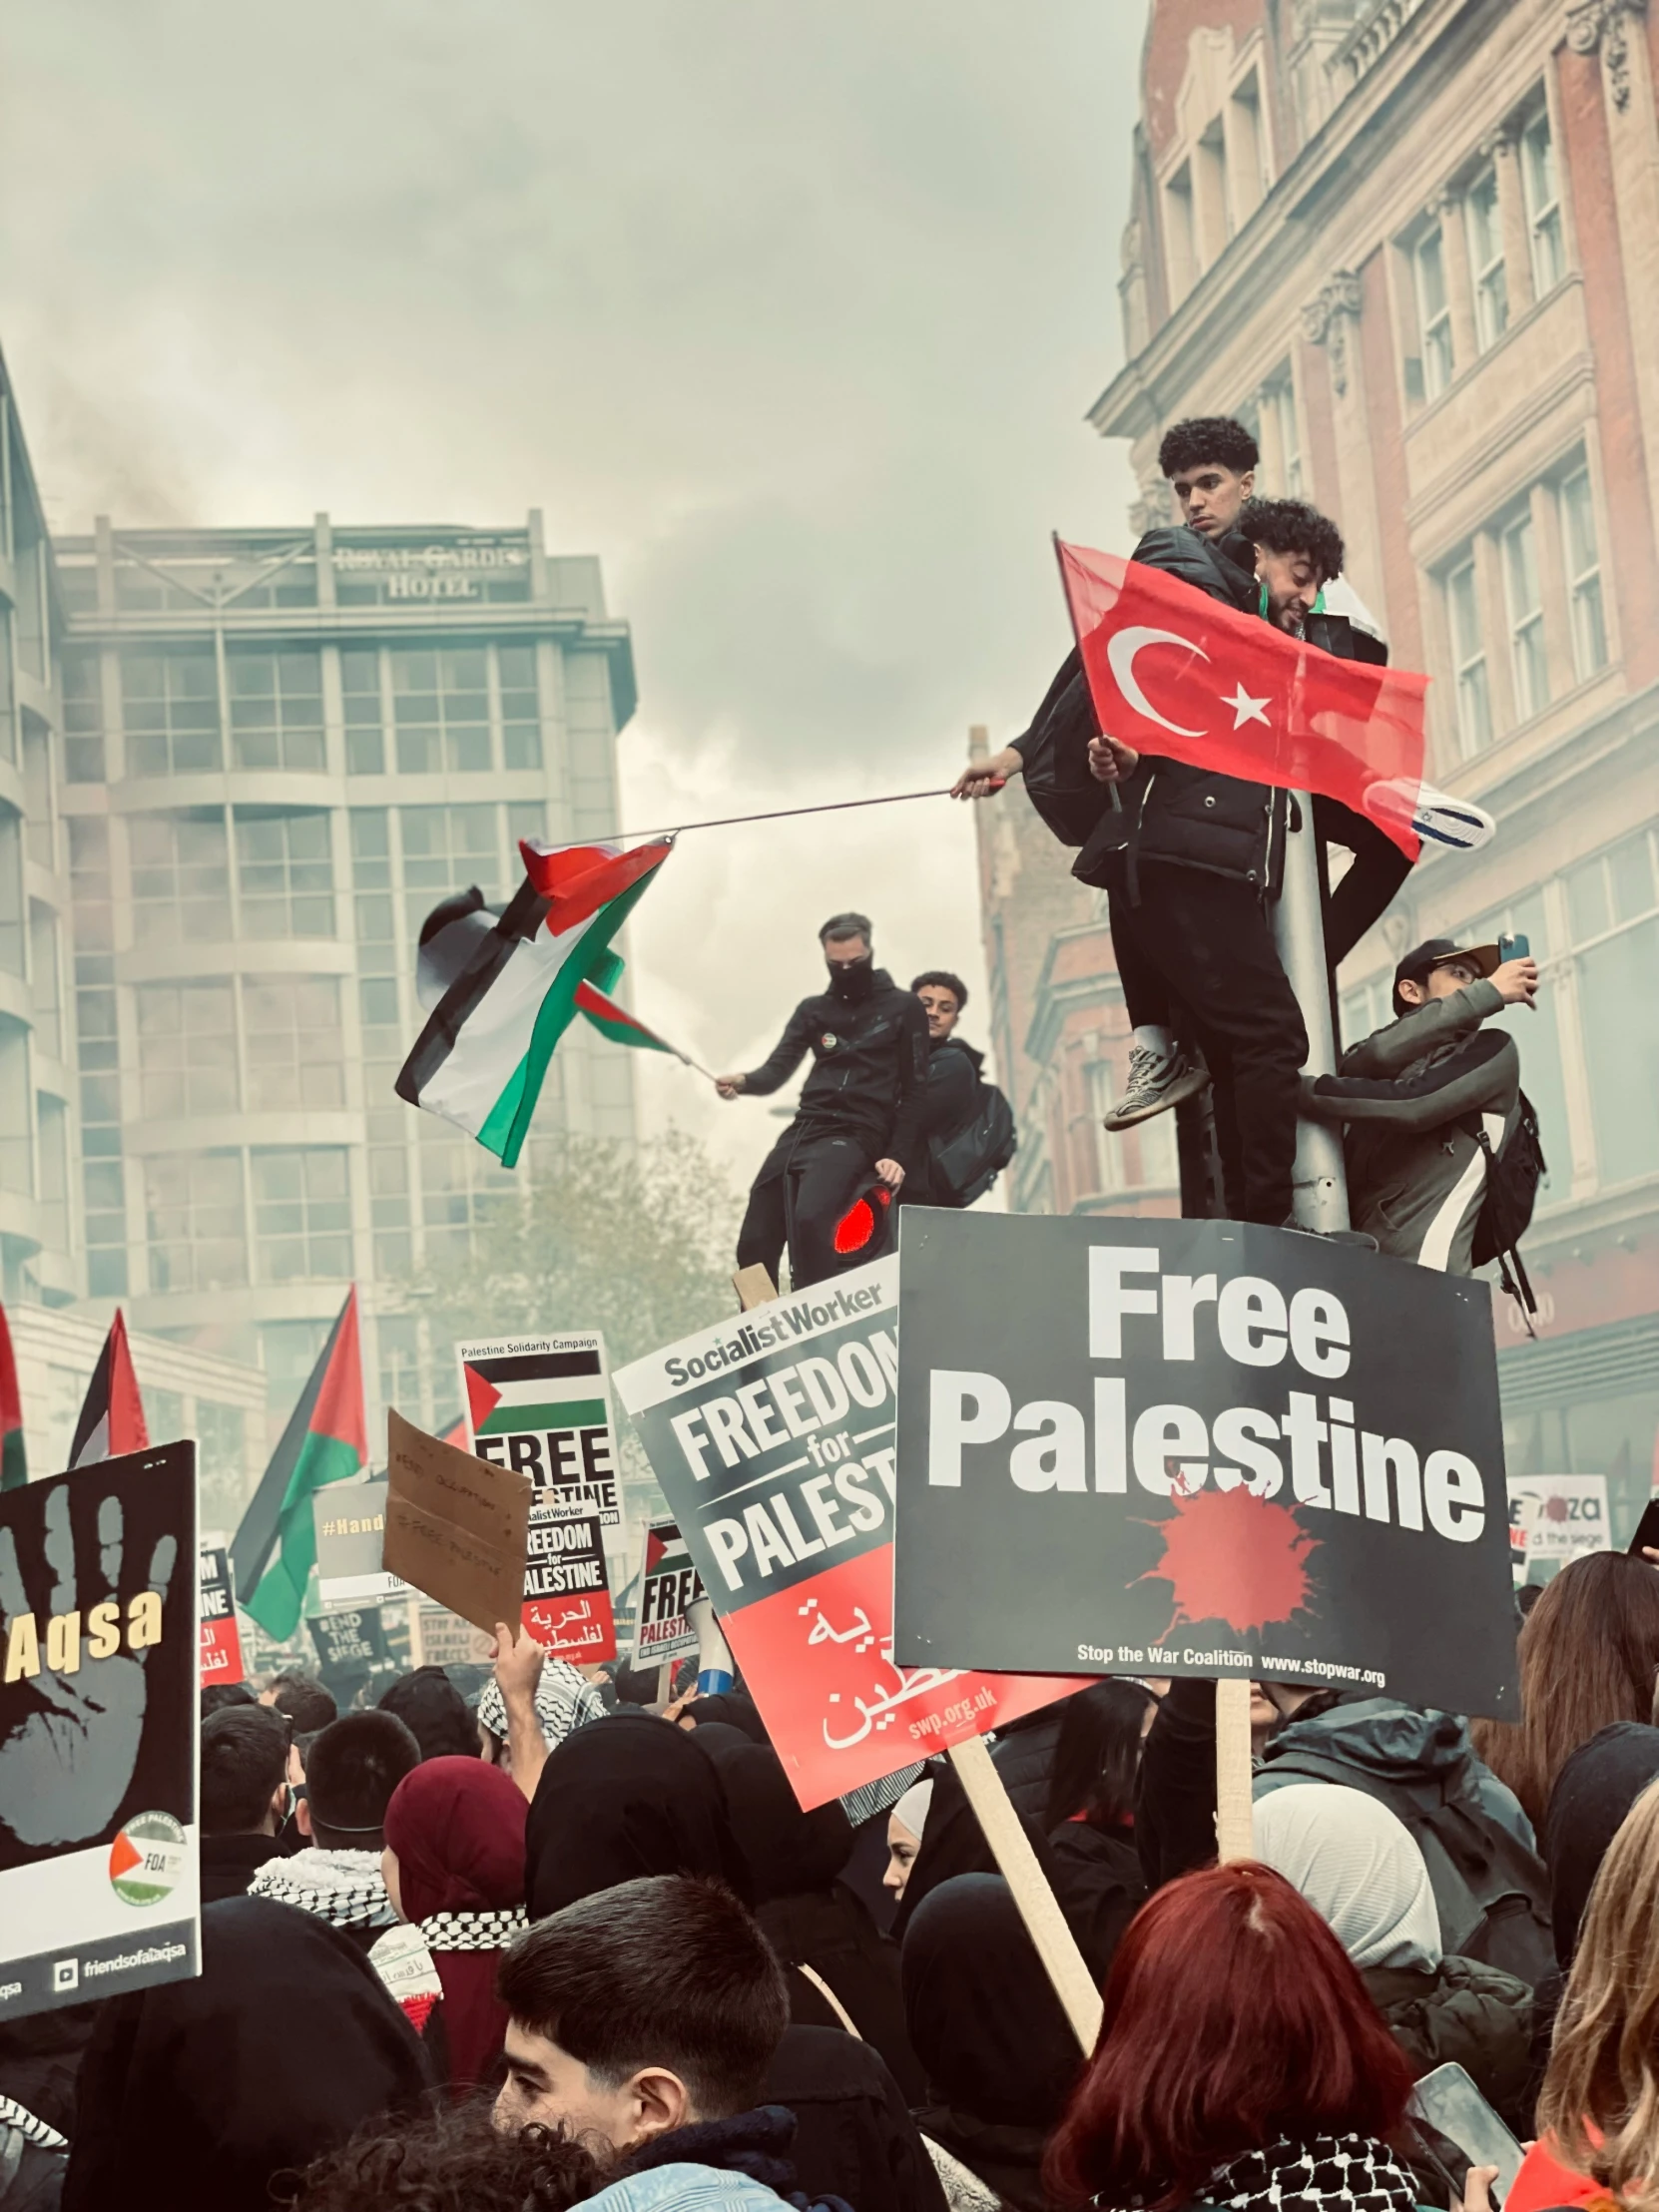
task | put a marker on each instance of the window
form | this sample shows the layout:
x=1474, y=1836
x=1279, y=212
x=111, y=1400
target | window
x=40, y=835
x=17, y=1138
x=520, y=709
x=187, y=1039
x=365, y=743
x=1434, y=312
x=403, y=1370
x=285, y=873
x=170, y=706
x=104, y=1191
x=295, y=1053
x=276, y=709
x=52, y=1118
x=1527, y=616
x=181, y=878
x=1101, y=1093
x=302, y=1215
x=1578, y=544
x=83, y=717
x=463, y=1188
x=1486, y=272
x=1180, y=233
x=89, y=886
x=195, y=1227
x=287, y=1352
x=1613, y=914
x=442, y=709
x=1543, y=205
x=389, y=1200
x=1469, y=657
x=45, y=980
x=1280, y=402
x=8, y=702
x=444, y=849
x=11, y=891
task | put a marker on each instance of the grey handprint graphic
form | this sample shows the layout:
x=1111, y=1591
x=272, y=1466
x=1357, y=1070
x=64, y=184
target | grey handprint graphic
x=71, y=1732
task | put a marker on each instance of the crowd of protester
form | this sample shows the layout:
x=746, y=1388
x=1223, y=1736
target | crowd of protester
x=441, y=1974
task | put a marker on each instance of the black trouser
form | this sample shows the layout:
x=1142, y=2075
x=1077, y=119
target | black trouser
x=807, y=1183
x=1208, y=938
x=1366, y=891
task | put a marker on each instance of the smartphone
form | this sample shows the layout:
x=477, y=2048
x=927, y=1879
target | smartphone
x=1513, y=948
x=1647, y=1529
x=1448, y=2100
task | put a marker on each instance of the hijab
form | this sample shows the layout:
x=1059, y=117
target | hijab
x=1593, y=1793
x=1359, y=1869
x=952, y=1843
x=911, y=1810
x=457, y=1827
x=789, y=1850
x=632, y=1796
x=730, y=1709
x=983, y=2017
x=198, y=2092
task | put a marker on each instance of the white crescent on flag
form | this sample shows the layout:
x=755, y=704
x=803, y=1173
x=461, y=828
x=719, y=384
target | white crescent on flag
x=1121, y=649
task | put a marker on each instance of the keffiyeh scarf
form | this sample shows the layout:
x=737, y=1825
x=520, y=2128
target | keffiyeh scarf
x=565, y=1702
x=1355, y=2173
x=343, y=1888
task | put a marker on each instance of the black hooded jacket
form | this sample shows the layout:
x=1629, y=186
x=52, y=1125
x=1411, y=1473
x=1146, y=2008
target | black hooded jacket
x=868, y=1077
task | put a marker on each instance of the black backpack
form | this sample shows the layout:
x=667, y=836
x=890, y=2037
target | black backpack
x=968, y=1162
x=1512, y=1179
x=1492, y=1893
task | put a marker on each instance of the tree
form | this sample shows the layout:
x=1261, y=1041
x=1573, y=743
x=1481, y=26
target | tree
x=633, y=1241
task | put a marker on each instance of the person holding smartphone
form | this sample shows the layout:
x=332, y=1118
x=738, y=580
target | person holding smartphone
x=1417, y=1097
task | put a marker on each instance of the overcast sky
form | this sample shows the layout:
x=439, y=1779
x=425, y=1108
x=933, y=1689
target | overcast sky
x=790, y=310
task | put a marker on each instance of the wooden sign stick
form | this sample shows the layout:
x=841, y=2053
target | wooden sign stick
x=1039, y=1909
x=1233, y=1838
x=665, y=1681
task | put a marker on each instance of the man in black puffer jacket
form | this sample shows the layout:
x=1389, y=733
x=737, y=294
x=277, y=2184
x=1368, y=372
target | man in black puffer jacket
x=1189, y=859
x=860, y=1112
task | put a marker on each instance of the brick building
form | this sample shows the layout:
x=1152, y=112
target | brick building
x=1415, y=243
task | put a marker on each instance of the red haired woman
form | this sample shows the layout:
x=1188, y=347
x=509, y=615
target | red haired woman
x=1240, y=2063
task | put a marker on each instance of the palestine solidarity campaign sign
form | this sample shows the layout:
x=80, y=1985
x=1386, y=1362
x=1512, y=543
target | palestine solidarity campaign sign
x=1144, y=1447
x=771, y=1437
x=99, y=1887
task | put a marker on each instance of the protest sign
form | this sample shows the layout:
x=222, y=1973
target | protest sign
x=221, y=1638
x=350, y=1529
x=99, y=1599
x=448, y=1641
x=351, y=1647
x=455, y=1527
x=567, y=1598
x=1556, y=1518
x=1145, y=1446
x=542, y=1405
x=669, y=1582
x=771, y=1437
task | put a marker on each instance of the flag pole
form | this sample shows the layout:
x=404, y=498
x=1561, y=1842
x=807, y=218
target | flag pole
x=1319, y=1199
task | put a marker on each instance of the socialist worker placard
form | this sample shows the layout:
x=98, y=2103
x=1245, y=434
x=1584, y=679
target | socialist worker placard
x=771, y=1437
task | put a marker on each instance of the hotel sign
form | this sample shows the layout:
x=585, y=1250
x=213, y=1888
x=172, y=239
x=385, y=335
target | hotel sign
x=448, y=568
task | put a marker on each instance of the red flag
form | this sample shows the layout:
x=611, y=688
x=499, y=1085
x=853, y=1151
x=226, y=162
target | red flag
x=1175, y=672
x=111, y=1413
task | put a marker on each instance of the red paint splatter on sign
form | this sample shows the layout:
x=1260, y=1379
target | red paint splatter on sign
x=1232, y=1556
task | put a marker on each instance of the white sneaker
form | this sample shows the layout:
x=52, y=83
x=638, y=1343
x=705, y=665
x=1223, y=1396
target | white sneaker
x=1438, y=819
x=1155, y=1086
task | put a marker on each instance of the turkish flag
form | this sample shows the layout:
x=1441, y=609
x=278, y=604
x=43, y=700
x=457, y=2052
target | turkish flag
x=1175, y=672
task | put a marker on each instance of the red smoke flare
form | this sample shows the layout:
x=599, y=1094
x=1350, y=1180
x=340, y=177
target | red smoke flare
x=1232, y=1556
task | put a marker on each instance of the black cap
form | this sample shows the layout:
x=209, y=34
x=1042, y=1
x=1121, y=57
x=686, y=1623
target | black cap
x=1414, y=967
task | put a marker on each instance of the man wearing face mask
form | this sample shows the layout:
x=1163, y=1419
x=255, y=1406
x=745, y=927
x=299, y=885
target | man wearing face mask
x=860, y=1110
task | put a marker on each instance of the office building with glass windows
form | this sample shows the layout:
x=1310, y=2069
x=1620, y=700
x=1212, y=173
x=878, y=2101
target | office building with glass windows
x=281, y=747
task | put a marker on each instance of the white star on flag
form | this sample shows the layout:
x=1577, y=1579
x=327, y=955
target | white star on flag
x=1245, y=708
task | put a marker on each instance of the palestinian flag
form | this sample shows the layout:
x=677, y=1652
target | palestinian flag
x=326, y=1441
x=14, y=1467
x=502, y=986
x=112, y=1412
x=613, y=1020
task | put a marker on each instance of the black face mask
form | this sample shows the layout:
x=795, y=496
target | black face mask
x=853, y=978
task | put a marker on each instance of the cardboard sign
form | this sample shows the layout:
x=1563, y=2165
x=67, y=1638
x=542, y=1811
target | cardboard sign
x=771, y=1437
x=567, y=1597
x=669, y=1584
x=221, y=1638
x=1557, y=1516
x=542, y=1406
x=455, y=1527
x=448, y=1641
x=1199, y=1447
x=350, y=1531
x=99, y=1626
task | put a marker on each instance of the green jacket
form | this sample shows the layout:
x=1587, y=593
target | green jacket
x=1415, y=1178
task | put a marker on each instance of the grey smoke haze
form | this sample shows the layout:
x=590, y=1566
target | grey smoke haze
x=789, y=310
